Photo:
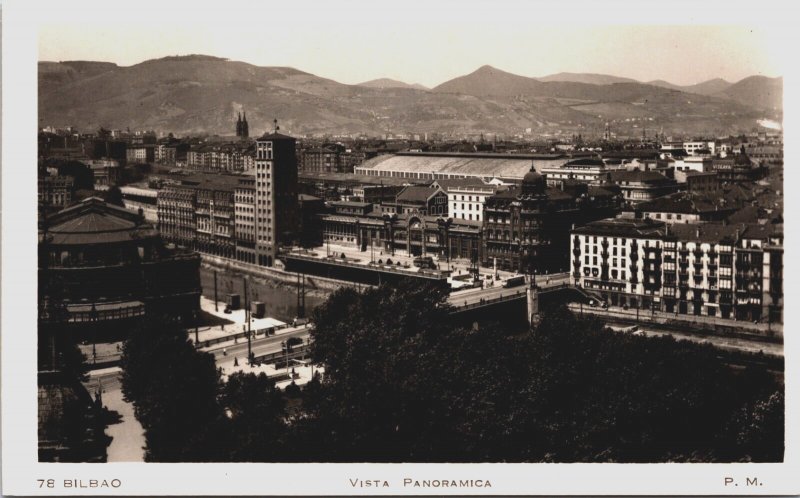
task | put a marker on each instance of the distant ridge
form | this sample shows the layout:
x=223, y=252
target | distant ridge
x=710, y=87
x=390, y=83
x=198, y=94
x=759, y=91
x=593, y=78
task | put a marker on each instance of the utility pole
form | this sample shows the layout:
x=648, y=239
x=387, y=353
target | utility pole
x=247, y=318
x=216, y=306
x=301, y=295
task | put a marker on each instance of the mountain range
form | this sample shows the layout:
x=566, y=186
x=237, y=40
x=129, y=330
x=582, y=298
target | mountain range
x=200, y=94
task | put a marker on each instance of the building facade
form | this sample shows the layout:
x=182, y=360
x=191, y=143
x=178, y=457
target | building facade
x=55, y=191
x=526, y=228
x=113, y=267
x=177, y=208
x=276, y=195
x=727, y=271
x=215, y=220
x=245, y=217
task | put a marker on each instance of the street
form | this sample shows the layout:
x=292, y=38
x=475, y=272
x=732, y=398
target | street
x=472, y=296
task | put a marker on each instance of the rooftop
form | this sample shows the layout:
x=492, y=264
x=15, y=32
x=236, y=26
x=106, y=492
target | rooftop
x=682, y=202
x=512, y=166
x=274, y=136
x=92, y=221
x=416, y=194
x=706, y=232
x=638, y=177
x=623, y=227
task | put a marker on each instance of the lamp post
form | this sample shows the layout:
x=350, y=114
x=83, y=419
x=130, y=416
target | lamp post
x=285, y=346
x=93, y=315
x=247, y=318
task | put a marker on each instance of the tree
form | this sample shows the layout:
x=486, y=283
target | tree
x=257, y=413
x=404, y=383
x=82, y=175
x=174, y=391
x=114, y=196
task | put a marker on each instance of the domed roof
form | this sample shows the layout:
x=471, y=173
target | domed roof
x=532, y=177
x=93, y=221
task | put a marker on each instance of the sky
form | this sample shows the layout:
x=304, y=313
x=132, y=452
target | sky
x=352, y=41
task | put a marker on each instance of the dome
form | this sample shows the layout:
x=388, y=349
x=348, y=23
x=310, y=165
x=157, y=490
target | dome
x=532, y=177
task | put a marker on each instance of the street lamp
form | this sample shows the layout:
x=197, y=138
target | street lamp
x=93, y=316
x=285, y=346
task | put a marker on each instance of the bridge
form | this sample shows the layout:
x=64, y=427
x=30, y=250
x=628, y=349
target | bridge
x=352, y=271
x=510, y=304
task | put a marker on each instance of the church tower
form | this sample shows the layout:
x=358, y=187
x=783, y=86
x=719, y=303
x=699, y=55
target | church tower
x=242, y=129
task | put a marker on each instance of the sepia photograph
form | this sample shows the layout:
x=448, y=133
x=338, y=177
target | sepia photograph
x=508, y=233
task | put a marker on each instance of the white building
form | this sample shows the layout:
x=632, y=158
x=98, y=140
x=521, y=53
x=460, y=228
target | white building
x=587, y=170
x=466, y=197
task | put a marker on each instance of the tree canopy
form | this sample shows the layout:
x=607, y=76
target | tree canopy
x=404, y=382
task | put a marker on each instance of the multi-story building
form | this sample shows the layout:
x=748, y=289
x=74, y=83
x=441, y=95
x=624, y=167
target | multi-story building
x=586, y=170
x=106, y=172
x=143, y=200
x=377, y=194
x=215, y=220
x=421, y=200
x=140, y=154
x=276, y=195
x=687, y=207
x=758, y=278
x=641, y=186
x=696, y=182
x=177, y=206
x=700, y=147
x=219, y=158
x=56, y=191
x=245, y=217
x=737, y=169
x=526, y=228
x=709, y=269
x=321, y=160
x=170, y=153
x=466, y=197
x=619, y=258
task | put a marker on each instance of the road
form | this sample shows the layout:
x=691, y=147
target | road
x=472, y=296
x=721, y=342
x=260, y=345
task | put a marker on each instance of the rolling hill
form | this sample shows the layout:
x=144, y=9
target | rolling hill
x=592, y=78
x=710, y=87
x=200, y=94
x=390, y=83
x=758, y=91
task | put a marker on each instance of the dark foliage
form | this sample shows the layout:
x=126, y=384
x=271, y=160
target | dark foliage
x=114, y=196
x=257, y=410
x=82, y=175
x=404, y=383
x=174, y=392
